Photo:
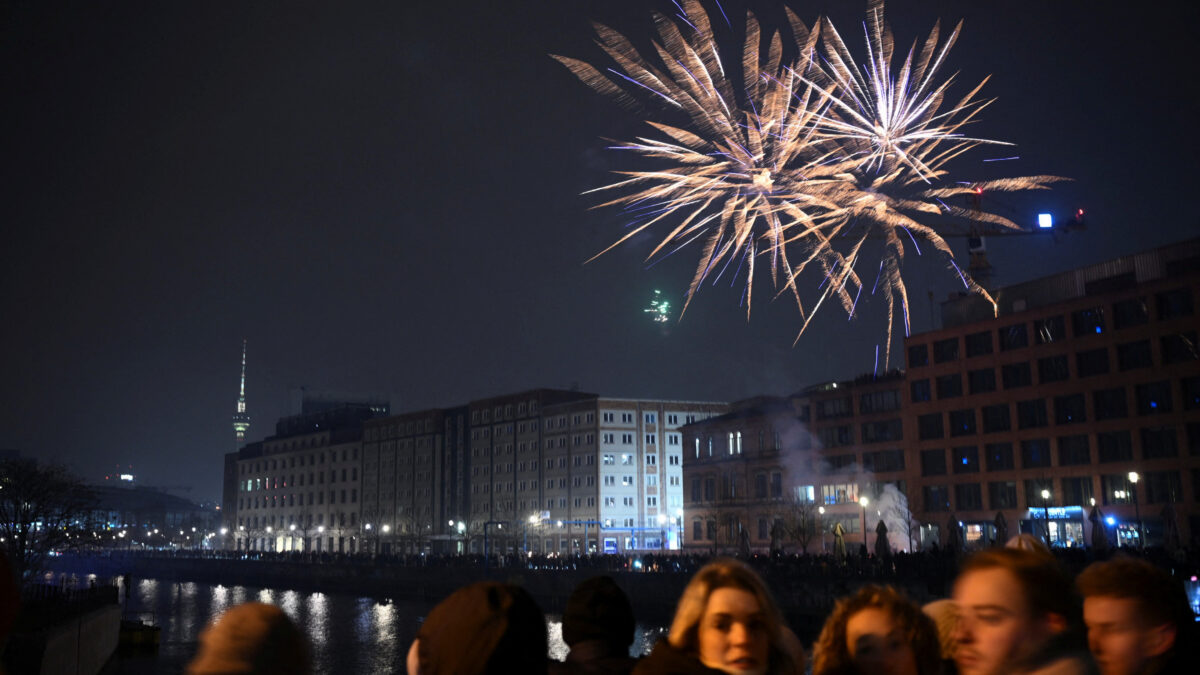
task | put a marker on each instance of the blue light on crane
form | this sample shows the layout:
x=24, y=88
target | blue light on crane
x=1045, y=221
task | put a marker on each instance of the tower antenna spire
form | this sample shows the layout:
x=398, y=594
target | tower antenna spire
x=241, y=419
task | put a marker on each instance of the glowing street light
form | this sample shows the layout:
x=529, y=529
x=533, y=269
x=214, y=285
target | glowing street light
x=821, y=525
x=1133, y=478
x=863, y=501
x=1046, y=512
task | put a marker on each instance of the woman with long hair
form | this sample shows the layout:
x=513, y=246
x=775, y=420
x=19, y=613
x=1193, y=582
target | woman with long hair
x=726, y=622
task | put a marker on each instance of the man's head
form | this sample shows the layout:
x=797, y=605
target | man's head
x=599, y=610
x=486, y=628
x=1134, y=613
x=1011, y=604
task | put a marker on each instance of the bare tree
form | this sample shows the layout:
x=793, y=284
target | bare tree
x=43, y=508
x=799, y=520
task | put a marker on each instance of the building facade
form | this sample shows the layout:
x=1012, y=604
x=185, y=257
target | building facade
x=1046, y=411
x=1023, y=421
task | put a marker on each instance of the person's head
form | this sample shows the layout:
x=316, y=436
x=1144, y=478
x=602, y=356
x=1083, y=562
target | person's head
x=1134, y=613
x=727, y=619
x=1011, y=604
x=252, y=638
x=599, y=610
x=945, y=616
x=482, y=629
x=877, y=630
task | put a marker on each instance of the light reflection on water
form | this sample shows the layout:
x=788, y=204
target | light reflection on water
x=348, y=633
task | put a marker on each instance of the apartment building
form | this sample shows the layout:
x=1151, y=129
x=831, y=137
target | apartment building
x=778, y=472
x=1024, y=416
x=1048, y=410
x=299, y=490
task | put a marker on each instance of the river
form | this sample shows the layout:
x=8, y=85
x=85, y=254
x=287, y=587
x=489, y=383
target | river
x=348, y=633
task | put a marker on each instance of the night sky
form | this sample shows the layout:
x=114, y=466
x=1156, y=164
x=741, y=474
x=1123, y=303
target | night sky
x=386, y=198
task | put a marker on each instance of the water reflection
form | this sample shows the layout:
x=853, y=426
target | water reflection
x=349, y=634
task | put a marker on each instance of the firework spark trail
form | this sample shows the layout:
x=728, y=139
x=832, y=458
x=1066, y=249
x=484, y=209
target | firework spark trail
x=802, y=161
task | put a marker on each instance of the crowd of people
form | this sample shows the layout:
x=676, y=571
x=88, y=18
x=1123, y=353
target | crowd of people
x=1013, y=610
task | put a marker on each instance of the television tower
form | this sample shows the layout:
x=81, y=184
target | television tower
x=241, y=419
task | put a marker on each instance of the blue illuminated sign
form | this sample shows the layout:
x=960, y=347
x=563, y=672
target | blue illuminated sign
x=1057, y=512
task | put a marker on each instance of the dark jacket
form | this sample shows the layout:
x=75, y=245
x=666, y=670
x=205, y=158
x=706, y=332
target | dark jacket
x=594, y=657
x=667, y=660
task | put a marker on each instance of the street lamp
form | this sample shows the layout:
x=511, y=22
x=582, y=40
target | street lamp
x=863, y=501
x=679, y=526
x=821, y=526
x=1133, y=478
x=1046, y=513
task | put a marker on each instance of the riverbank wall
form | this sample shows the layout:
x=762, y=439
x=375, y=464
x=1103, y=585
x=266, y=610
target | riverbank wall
x=804, y=599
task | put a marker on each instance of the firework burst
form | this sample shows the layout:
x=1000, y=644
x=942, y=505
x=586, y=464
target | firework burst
x=798, y=164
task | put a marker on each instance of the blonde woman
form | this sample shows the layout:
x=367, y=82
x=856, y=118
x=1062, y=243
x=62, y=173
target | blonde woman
x=726, y=622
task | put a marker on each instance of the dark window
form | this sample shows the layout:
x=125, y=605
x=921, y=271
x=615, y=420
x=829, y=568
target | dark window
x=760, y=486
x=918, y=355
x=887, y=430
x=1074, y=450
x=1116, y=489
x=1163, y=487
x=1002, y=495
x=920, y=391
x=968, y=497
x=1035, y=453
x=1159, y=442
x=962, y=422
x=1050, y=329
x=1114, y=446
x=710, y=489
x=945, y=350
x=1129, y=313
x=883, y=460
x=696, y=490
x=832, y=408
x=949, y=386
x=930, y=426
x=1053, y=369
x=697, y=530
x=841, y=463
x=833, y=437
x=776, y=484
x=879, y=401
x=1092, y=362
x=1173, y=304
x=937, y=498
x=1031, y=414
x=1154, y=398
x=966, y=459
x=1133, y=355
x=1070, y=409
x=1077, y=491
x=996, y=418
x=1193, y=438
x=711, y=533
x=1088, y=321
x=1110, y=404
x=933, y=462
x=1179, y=348
x=1013, y=337
x=1033, y=492
x=1191, y=392
x=982, y=380
x=999, y=456
x=1016, y=375
x=979, y=344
